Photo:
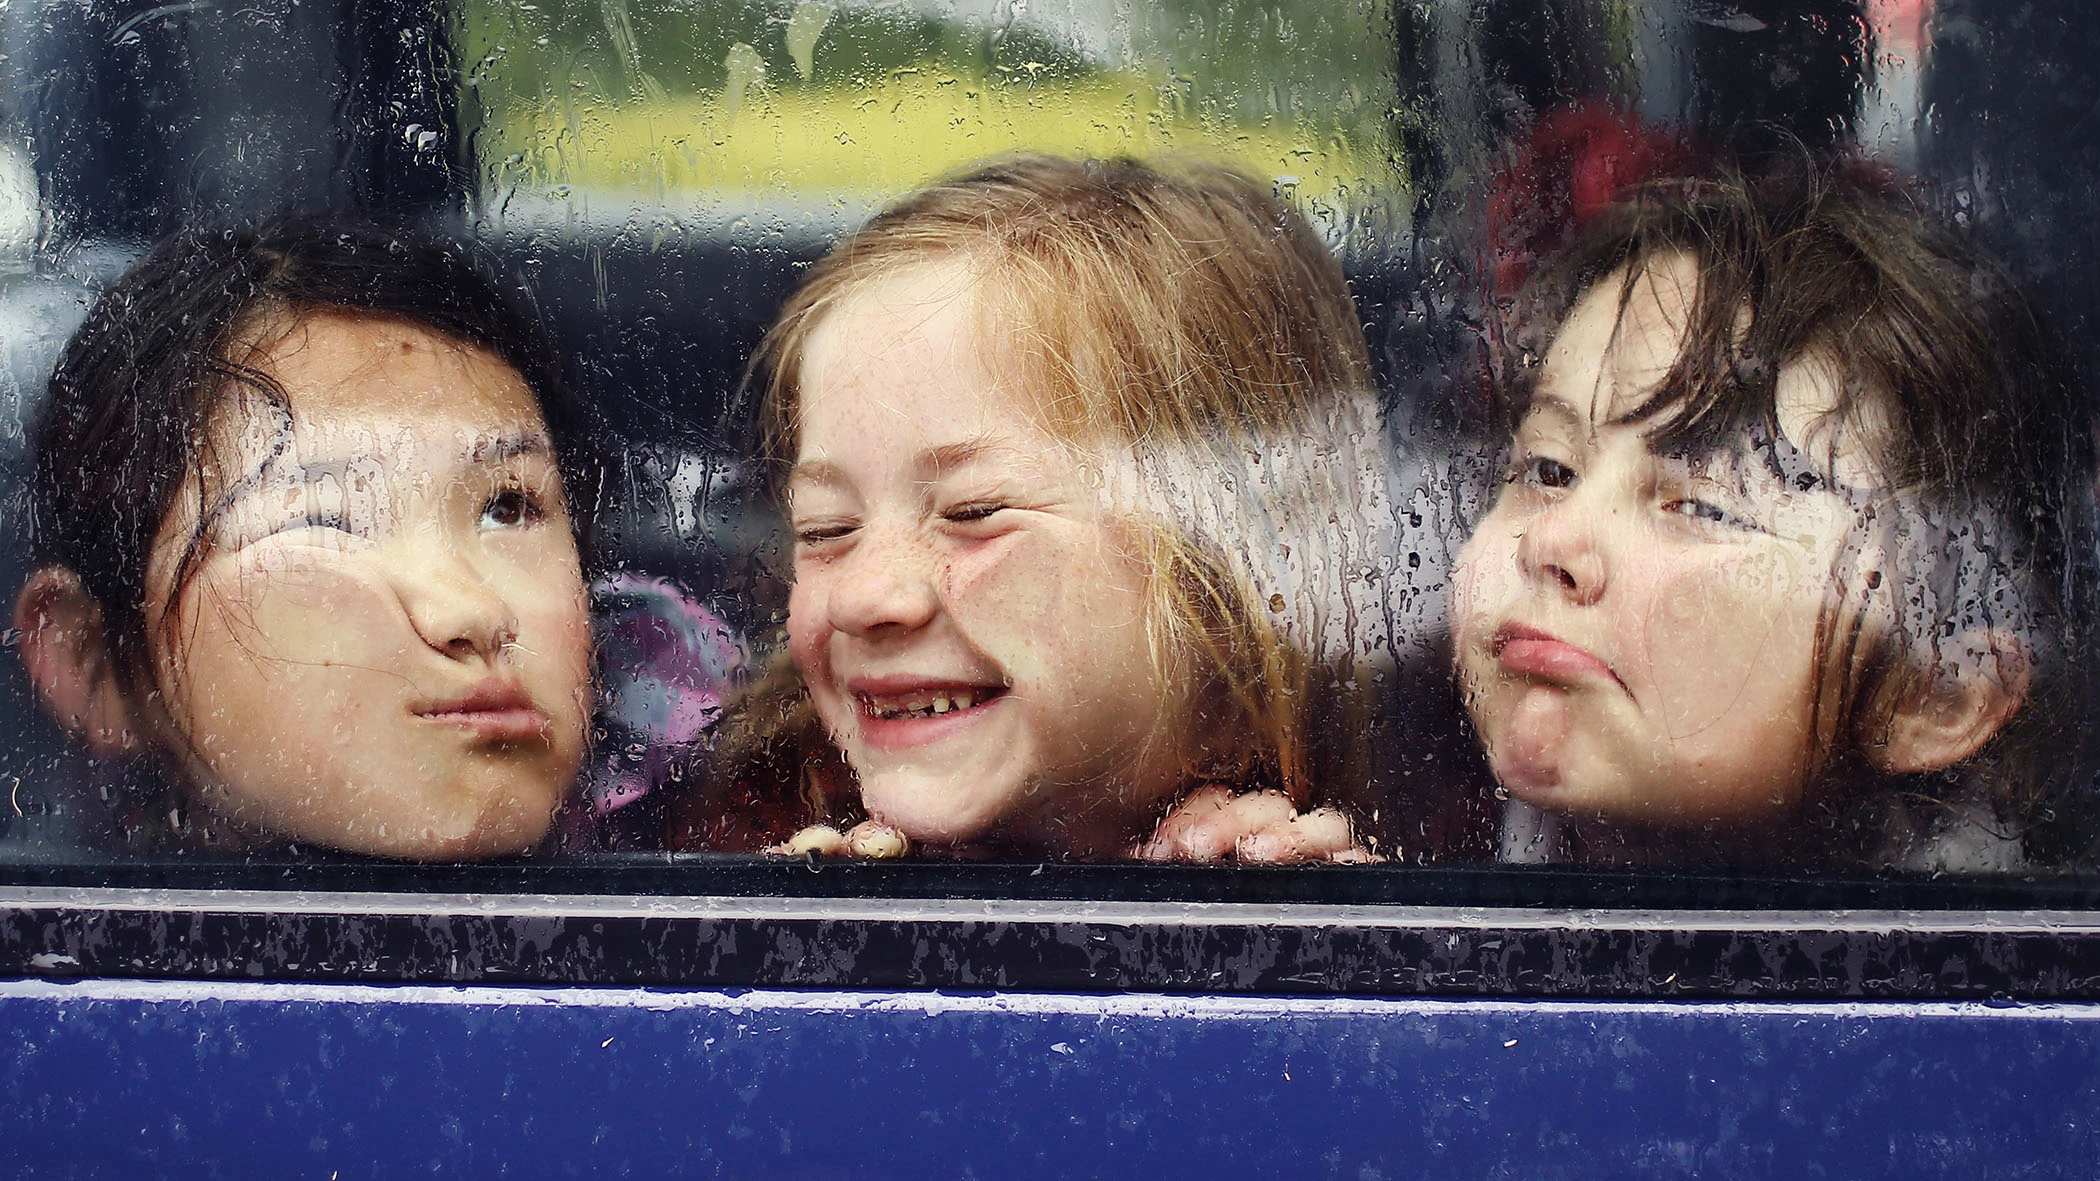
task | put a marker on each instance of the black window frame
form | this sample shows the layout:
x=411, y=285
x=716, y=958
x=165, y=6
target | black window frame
x=700, y=920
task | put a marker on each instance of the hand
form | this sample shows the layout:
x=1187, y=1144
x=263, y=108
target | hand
x=1254, y=828
x=869, y=838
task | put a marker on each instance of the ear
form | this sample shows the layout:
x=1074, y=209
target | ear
x=69, y=661
x=1959, y=706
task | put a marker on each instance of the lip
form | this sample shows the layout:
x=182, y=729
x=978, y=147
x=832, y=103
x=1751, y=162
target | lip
x=889, y=732
x=496, y=710
x=1528, y=652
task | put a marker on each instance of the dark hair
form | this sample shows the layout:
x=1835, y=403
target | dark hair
x=132, y=400
x=1978, y=429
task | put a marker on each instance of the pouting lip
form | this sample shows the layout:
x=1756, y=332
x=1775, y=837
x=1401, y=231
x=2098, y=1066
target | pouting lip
x=498, y=702
x=1531, y=652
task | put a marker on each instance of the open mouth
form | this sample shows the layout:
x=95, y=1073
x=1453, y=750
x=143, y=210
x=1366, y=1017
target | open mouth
x=928, y=703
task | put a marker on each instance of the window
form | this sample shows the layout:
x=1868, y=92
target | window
x=1844, y=748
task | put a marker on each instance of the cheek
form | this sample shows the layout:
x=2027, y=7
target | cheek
x=1015, y=598
x=547, y=592
x=1728, y=639
x=807, y=629
x=1003, y=575
x=298, y=608
x=1480, y=579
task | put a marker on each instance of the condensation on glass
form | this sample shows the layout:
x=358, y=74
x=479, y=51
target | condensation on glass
x=662, y=174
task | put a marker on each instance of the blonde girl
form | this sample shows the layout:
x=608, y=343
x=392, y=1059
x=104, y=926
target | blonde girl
x=1090, y=509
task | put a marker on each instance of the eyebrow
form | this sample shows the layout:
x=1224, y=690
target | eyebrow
x=1560, y=408
x=953, y=455
x=496, y=450
x=931, y=463
x=521, y=444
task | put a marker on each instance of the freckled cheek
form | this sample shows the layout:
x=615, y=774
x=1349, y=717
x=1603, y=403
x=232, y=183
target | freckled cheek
x=1010, y=583
x=807, y=627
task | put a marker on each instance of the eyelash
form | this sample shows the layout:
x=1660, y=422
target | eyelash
x=820, y=533
x=976, y=510
x=1540, y=471
x=1690, y=506
x=1532, y=470
x=531, y=508
x=971, y=513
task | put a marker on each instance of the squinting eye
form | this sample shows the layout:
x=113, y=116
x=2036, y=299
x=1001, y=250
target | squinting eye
x=511, y=508
x=974, y=511
x=821, y=532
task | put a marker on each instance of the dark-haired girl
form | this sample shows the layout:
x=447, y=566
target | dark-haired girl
x=1794, y=542
x=305, y=548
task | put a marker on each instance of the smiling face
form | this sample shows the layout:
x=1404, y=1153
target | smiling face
x=384, y=646
x=1637, y=632
x=967, y=612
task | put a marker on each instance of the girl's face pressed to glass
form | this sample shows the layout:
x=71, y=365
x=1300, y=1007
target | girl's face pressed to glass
x=384, y=647
x=966, y=612
x=1637, y=632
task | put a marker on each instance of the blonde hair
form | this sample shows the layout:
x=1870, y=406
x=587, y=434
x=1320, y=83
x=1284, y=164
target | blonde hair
x=1192, y=318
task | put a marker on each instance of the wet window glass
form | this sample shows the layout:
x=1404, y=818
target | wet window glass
x=1485, y=435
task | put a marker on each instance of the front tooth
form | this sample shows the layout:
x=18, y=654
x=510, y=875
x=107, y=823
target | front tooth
x=964, y=701
x=940, y=705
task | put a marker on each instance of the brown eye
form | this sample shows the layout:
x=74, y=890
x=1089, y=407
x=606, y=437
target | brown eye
x=510, y=509
x=1542, y=472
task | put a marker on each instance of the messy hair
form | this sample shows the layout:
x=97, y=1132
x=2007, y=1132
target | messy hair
x=1188, y=318
x=1980, y=504
x=132, y=403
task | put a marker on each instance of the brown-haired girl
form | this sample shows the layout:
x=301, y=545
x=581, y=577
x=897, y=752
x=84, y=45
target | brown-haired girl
x=1087, y=492
x=1795, y=536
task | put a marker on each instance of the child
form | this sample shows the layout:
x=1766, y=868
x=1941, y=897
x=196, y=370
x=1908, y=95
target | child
x=305, y=556
x=1089, y=504
x=1794, y=537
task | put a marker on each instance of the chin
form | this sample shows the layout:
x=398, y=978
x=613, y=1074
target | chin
x=933, y=812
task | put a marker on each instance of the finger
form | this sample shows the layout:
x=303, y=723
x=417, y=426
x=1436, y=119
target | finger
x=817, y=838
x=1189, y=833
x=873, y=838
x=1319, y=835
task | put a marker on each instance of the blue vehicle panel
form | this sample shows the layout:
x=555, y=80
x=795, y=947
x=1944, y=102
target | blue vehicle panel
x=206, y=1079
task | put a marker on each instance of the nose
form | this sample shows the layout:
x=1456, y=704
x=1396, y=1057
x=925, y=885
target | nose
x=1561, y=548
x=452, y=603
x=884, y=586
